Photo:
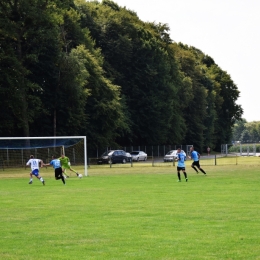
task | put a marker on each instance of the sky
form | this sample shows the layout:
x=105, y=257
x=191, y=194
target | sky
x=226, y=30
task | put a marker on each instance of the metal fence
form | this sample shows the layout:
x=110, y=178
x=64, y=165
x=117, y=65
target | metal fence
x=211, y=160
x=242, y=149
x=151, y=150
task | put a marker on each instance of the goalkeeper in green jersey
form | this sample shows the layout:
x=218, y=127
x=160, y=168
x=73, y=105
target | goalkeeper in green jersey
x=65, y=164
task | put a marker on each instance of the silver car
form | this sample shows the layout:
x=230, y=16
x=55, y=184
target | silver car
x=139, y=156
x=171, y=155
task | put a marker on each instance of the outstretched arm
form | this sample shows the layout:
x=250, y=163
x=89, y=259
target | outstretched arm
x=46, y=164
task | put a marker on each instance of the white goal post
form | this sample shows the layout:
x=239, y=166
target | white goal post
x=15, y=151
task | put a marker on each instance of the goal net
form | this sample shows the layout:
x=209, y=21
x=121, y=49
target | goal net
x=16, y=151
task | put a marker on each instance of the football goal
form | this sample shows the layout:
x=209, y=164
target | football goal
x=16, y=151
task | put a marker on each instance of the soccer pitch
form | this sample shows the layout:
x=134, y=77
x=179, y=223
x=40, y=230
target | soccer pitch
x=132, y=213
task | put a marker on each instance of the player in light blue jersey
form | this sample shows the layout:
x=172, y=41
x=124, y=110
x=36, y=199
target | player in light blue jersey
x=35, y=166
x=57, y=169
x=195, y=156
x=181, y=158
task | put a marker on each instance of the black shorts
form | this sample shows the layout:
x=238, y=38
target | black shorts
x=196, y=163
x=180, y=168
x=58, y=172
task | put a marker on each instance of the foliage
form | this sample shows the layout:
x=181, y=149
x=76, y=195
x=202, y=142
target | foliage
x=236, y=148
x=22, y=25
x=90, y=68
x=246, y=131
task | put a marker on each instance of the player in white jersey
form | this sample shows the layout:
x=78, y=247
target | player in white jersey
x=35, y=165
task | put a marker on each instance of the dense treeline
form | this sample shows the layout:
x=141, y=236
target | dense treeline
x=89, y=68
x=246, y=132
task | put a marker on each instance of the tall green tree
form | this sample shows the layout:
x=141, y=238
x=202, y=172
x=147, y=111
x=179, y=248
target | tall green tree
x=51, y=64
x=227, y=109
x=104, y=107
x=238, y=128
x=26, y=35
x=21, y=22
x=136, y=59
x=80, y=67
x=194, y=110
x=65, y=76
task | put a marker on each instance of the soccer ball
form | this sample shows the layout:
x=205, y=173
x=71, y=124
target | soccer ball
x=80, y=175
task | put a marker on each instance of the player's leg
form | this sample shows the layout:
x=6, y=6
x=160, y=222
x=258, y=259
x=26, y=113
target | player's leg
x=37, y=175
x=198, y=166
x=65, y=173
x=202, y=170
x=178, y=174
x=74, y=171
x=41, y=179
x=193, y=166
x=57, y=174
x=185, y=174
x=63, y=179
x=31, y=178
x=60, y=174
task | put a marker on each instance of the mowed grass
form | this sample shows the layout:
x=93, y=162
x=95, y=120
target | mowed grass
x=132, y=213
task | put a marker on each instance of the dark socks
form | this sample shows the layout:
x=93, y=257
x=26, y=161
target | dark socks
x=63, y=180
x=202, y=171
x=195, y=169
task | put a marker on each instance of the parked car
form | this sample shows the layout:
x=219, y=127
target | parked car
x=139, y=156
x=171, y=155
x=113, y=156
x=129, y=157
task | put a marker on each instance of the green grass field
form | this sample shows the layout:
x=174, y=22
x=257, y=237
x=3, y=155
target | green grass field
x=132, y=213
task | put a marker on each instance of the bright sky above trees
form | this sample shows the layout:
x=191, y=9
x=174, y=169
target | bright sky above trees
x=227, y=31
